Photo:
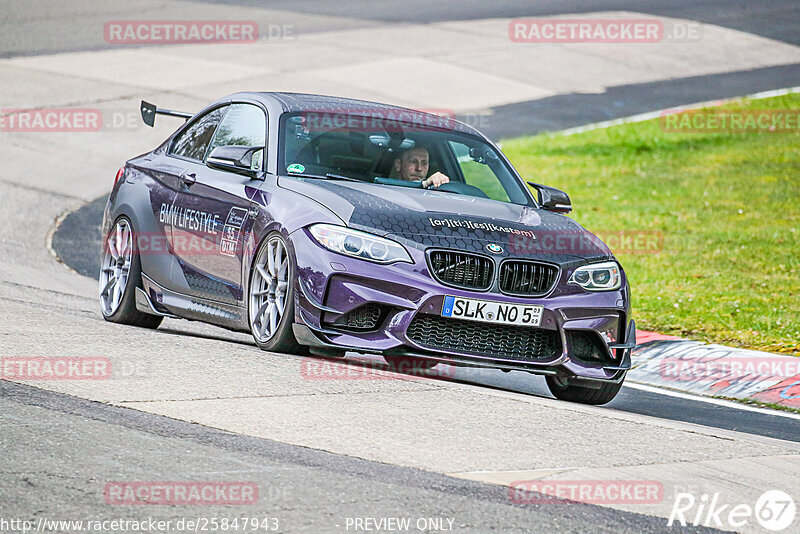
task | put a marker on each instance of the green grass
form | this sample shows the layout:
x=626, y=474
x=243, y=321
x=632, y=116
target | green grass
x=759, y=404
x=727, y=206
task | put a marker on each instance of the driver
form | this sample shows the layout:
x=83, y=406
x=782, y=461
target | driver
x=412, y=164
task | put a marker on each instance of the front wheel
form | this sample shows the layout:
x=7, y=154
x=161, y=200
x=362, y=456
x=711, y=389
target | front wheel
x=271, y=297
x=585, y=395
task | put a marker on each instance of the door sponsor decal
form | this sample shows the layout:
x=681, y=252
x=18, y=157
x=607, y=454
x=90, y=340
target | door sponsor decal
x=188, y=219
x=232, y=231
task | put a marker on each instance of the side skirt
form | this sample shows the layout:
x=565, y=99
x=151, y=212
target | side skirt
x=157, y=300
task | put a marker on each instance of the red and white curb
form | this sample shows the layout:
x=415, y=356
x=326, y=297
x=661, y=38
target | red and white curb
x=715, y=370
x=694, y=367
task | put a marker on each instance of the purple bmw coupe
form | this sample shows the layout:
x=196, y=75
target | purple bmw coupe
x=325, y=225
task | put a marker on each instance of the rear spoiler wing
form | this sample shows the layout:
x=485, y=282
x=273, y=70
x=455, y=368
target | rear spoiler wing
x=149, y=112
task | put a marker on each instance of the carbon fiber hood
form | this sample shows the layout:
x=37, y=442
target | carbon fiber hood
x=421, y=218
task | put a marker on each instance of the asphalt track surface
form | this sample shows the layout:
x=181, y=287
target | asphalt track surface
x=48, y=26
x=307, y=490
x=315, y=490
x=75, y=29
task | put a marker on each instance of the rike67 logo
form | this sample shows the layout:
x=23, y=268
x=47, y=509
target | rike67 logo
x=774, y=510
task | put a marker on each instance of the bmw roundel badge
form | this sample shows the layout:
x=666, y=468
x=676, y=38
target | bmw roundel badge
x=494, y=248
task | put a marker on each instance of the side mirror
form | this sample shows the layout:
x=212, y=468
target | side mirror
x=552, y=199
x=244, y=160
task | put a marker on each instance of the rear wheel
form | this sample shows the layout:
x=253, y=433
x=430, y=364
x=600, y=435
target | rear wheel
x=585, y=395
x=120, y=275
x=271, y=297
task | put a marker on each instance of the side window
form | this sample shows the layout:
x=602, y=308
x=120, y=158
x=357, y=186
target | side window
x=192, y=143
x=243, y=125
x=478, y=174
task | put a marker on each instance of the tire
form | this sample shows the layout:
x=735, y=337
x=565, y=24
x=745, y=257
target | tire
x=119, y=266
x=409, y=364
x=272, y=284
x=572, y=393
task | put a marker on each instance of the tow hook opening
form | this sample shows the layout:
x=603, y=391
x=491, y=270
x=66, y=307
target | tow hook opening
x=565, y=380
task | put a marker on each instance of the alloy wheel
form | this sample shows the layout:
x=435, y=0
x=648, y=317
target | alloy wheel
x=116, y=266
x=268, y=288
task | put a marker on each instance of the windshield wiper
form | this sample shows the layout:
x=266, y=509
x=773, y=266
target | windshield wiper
x=332, y=176
x=415, y=184
x=328, y=176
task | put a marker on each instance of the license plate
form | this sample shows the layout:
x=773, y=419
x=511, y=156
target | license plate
x=489, y=311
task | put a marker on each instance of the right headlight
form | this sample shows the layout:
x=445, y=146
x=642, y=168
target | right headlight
x=597, y=276
x=359, y=244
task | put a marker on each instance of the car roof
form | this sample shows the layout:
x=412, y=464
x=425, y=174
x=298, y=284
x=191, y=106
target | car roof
x=307, y=102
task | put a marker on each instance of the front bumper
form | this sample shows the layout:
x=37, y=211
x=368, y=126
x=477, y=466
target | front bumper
x=330, y=286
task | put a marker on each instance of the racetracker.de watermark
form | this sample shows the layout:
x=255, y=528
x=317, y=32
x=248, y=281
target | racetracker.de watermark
x=592, y=30
x=180, y=493
x=227, y=241
x=50, y=120
x=152, y=525
x=728, y=368
x=722, y=120
x=320, y=369
x=619, y=241
x=41, y=120
x=55, y=368
x=136, y=32
x=586, y=491
x=373, y=120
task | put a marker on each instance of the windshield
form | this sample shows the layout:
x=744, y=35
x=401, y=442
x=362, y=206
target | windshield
x=393, y=153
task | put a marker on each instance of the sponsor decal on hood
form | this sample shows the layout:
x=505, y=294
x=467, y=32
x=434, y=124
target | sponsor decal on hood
x=423, y=218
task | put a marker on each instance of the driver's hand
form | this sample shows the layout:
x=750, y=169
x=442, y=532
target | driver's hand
x=435, y=180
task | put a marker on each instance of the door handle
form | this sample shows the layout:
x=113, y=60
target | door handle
x=188, y=178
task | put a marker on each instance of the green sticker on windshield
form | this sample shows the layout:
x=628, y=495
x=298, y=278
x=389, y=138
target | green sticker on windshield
x=295, y=167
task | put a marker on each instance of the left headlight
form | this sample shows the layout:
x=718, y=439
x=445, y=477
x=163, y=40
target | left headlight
x=597, y=276
x=359, y=244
